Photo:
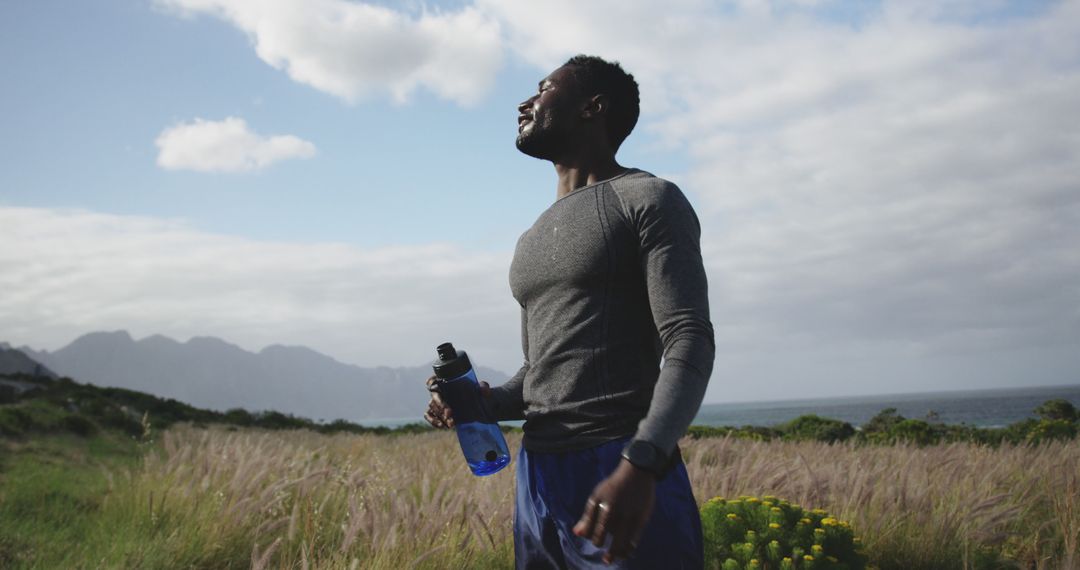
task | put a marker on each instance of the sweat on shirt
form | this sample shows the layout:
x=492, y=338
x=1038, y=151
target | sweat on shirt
x=610, y=280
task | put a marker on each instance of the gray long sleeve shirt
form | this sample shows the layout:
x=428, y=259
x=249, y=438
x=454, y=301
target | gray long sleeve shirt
x=610, y=280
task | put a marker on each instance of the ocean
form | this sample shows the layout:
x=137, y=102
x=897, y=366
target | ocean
x=981, y=408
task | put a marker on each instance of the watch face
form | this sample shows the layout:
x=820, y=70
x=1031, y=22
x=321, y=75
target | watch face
x=643, y=455
x=647, y=454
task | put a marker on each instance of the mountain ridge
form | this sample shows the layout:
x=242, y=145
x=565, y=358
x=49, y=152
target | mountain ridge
x=210, y=372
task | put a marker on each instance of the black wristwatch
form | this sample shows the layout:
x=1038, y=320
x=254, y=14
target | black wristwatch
x=648, y=457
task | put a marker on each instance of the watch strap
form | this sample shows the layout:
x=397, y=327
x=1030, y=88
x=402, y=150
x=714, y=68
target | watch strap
x=649, y=457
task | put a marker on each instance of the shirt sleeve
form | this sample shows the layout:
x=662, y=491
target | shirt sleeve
x=670, y=250
x=507, y=401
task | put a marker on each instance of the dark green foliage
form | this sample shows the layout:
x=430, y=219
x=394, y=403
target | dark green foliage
x=889, y=427
x=8, y=394
x=79, y=424
x=698, y=432
x=66, y=406
x=915, y=431
x=883, y=422
x=1018, y=432
x=811, y=427
x=63, y=405
x=278, y=420
x=755, y=433
x=18, y=419
x=1052, y=430
x=1057, y=409
x=239, y=417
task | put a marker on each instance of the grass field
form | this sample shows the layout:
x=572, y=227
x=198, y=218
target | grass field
x=227, y=498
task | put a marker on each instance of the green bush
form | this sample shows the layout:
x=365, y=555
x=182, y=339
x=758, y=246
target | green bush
x=120, y=418
x=811, y=427
x=773, y=534
x=883, y=422
x=13, y=421
x=1057, y=409
x=238, y=416
x=30, y=416
x=754, y=433
x=79, y=425
x=8, y=394
x=698, y=432
x=1052, y=430
x=915, y=431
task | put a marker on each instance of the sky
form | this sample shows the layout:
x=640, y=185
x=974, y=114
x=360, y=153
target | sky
x=889, y=191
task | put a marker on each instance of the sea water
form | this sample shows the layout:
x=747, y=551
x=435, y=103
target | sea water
x=979, y=408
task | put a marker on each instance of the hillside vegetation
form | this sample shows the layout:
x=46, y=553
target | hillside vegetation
x=63, y=405
x=93, y=477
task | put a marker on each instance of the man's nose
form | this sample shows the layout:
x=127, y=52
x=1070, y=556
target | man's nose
x=524, y=105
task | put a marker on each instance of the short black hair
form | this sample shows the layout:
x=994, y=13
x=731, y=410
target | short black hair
x=596, y=76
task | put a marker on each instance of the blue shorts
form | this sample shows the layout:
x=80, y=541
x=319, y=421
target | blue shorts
x=551, y=492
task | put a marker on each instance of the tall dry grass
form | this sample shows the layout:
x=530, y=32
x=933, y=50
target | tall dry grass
x=217, y=498
x=305, y=500
x=946, y=506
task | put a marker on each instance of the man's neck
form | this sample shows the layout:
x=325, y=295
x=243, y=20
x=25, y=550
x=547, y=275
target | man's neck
x=584, y=173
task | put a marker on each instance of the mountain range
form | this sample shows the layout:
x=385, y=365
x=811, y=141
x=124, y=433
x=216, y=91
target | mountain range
x=212, y=373
x=13, y=361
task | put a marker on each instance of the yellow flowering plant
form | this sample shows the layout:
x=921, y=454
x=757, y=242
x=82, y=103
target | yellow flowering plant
x=768, y=533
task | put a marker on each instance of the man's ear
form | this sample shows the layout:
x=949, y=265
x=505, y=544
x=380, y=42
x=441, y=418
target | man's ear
x=595, y=106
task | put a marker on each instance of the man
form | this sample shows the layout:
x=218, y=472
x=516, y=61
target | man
x=610, y=280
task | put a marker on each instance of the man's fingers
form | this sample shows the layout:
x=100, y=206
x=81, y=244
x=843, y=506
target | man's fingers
x=623, y=543
x=584, y=527
x=435, y=422
x=433, y=388
x=604, y=522
x=438, y=415
x=447, y=416
x=434, y=419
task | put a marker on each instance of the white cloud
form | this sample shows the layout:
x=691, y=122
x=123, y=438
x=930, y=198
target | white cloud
x=354, y=49
x=225, y=146
x=892, y=199
x=904, y=186
x=76, y=271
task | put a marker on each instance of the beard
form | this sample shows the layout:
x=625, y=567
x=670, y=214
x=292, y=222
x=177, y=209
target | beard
x=540, y=140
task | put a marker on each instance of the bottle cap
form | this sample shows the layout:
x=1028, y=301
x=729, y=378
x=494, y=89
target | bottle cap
x=452, y=363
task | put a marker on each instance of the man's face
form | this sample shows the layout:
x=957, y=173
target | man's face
x=547, y=120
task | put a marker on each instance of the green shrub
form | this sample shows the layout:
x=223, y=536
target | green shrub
x=79, y=425
x=13, y=421
x=1057, y=409
x=238, y=416
x=698, y=432
x=120, y=418
x=754, y=433
x=278, y=420
x=34, y=415
x=1017, y=432
x=883, y=422
x=773, y=534
x=915, y=431
x=1052, y=430
x=812, y=427
x=8, y=394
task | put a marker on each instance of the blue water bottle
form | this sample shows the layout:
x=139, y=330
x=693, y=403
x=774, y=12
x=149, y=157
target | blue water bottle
x=481, y=441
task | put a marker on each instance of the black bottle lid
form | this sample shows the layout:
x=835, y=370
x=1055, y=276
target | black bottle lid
x=452, y=363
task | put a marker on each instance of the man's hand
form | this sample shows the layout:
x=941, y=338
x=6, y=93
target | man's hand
x=438, y=414
x=620, y=506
